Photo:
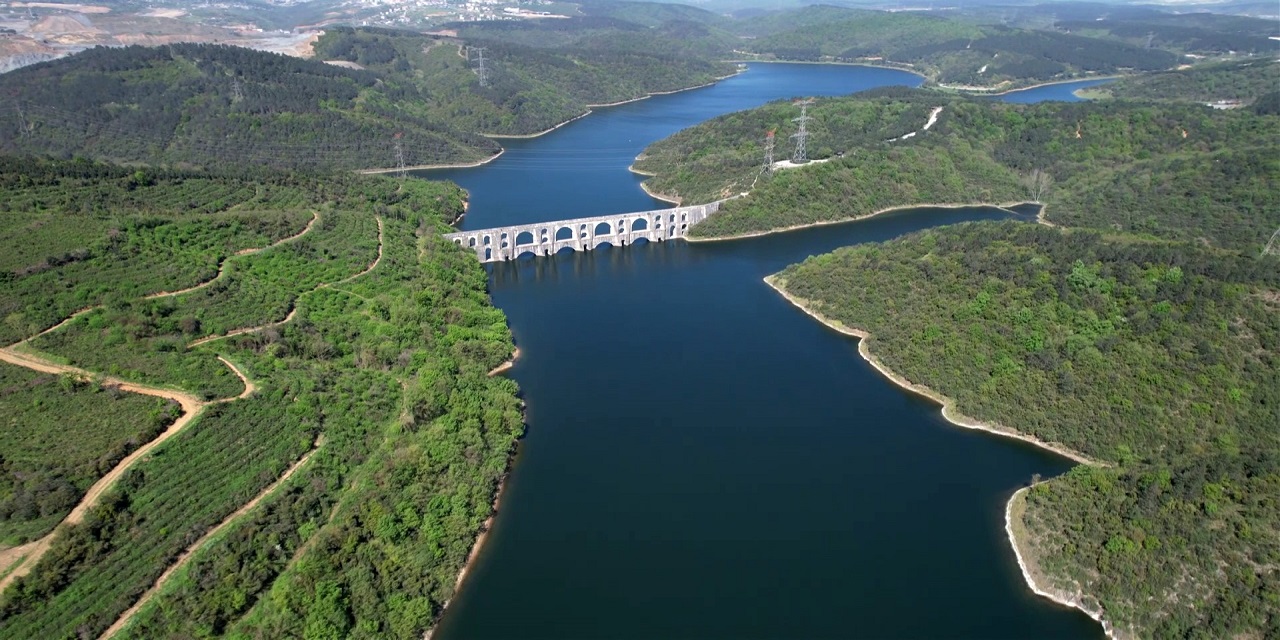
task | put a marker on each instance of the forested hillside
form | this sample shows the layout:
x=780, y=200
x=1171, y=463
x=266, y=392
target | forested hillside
x=952, y=51
x=1176, y=171
x=1161, y=359
x=399, y=96
x=211, y=106
x=1198, y=32
x=1246, y=81
x=530, y=88
x=365, y=339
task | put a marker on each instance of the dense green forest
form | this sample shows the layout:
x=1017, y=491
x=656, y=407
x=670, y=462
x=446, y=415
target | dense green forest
x=1246, y=81
x=954, y=51
x=530, y=88
x=402, y=95
x=1162, y=359
x=1197, y=32
x=208, y=105
x=382, y=371
x=1176, y=171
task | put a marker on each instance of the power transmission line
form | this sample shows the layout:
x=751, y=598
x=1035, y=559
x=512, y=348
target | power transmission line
x=802, y=135
x=768, y=151
x=481, y=72
x=399, y=155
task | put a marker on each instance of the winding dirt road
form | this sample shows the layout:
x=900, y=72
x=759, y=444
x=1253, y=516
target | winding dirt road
x=22, y=558
x=294, y=310
x=222, y=268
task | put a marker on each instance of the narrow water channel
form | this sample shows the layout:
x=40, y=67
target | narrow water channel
x=703, y=460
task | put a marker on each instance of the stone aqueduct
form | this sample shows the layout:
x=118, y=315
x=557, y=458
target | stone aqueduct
x=582, y=234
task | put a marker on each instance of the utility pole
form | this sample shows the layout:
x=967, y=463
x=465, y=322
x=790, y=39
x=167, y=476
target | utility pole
x=237, y=92
x=399, y=155
x=1151, y=36
x=768, y=151
x=802, y=135
x=480, y=70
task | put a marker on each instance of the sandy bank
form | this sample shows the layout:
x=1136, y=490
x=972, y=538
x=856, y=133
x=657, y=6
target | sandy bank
x=1014, y=509
x=823, y=223
x=949, y=410
x=644, y=186
x=1014, y=527
x=871, y=65
x=515, y=136
x=475, y=551
x=506, y=366
x=990, y=92
x=424, y=167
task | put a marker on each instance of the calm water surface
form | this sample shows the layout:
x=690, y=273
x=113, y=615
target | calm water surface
x=703, y=460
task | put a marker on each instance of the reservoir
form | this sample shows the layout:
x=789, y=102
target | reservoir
x=702, y=459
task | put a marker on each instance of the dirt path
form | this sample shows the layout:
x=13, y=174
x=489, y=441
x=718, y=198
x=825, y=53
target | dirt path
x=23, y=557
x=243, y=252
x=191, y=407
x=294, y=311
x=190, y=551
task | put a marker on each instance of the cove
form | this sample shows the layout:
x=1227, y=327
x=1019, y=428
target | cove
x=705, y=461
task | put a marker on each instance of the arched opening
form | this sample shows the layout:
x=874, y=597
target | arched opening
x=683, y=227
x=526, y=251
x=603, y=229
x=582, y=231
x=673, y=218
x=488, y=240
x=473, y=242
x=640, y=224
x=542, y=236
x=671, y=232
x=488, y=253
x=684, y=217
x=505, y=244
x=523, y=238
x=458, y=241
x=564, y=233
x=635, y=242
x=657, y=222
x=564, y=249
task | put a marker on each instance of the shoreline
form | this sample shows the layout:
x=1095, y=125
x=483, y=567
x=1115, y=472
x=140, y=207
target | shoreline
x=592, y=107
x=506, y=366
x=1040, y=219
x=872, y=65
x=675, y=200
x=538, y=134
x=428, y=167
x=475, y=546
x=949, y=411
x=988, y=92
x=1074, y=600
x=901, y=207
x=953, y=416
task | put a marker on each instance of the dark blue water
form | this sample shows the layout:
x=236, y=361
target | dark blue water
x=703, y=460
x=1061, y=92
x=581, y=169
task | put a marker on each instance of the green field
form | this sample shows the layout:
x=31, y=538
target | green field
x=60, y=436
x=387, y=369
